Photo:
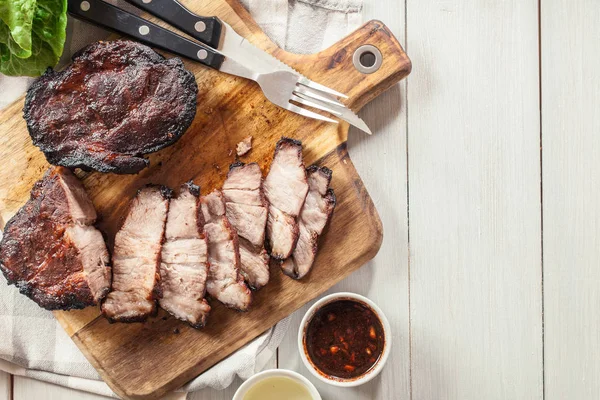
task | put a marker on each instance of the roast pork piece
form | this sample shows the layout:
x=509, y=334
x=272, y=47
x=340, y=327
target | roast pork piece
x=51, y=251
x=136, y=257
x=184, y=265
x=117, y=101
x=285, y=188
x=316, y=211
x=225, y=282
x=247, y=210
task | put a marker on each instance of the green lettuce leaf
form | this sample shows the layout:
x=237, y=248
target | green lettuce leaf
x=47, y=35
x=17, y=15
x=41, y=58
x=50, y=23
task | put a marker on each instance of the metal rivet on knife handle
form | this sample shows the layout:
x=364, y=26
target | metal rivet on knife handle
x=200, y=26
x=144, y=30
x=85, y=6
x=202, y=54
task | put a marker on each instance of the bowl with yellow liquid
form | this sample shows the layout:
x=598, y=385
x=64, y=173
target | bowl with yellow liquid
x=277, y=384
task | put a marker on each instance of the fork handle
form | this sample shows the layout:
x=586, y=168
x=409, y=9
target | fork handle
x=113, y=18
x=205, y=29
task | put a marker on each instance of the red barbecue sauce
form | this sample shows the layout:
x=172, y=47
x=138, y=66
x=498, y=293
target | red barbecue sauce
x=344, y=339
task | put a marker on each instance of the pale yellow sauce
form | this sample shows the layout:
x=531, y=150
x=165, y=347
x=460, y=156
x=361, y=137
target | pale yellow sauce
x=278, y=388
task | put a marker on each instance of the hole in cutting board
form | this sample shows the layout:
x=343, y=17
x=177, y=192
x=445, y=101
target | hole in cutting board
x=367, y=59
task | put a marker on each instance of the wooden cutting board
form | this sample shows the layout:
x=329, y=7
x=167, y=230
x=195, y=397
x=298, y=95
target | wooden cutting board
x=145, y=361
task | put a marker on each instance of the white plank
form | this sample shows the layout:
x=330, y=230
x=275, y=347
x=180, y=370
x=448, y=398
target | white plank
x=27, y=388
x=571, y=167
x=474, y=198
x=381, y=163
x=5, y=386
x=227, y=394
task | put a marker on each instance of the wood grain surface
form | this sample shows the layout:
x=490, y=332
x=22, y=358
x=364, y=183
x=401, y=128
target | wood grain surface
x=570, y=88
x=474, y=198
x=148, y=360
x=5, y=386
x=571, y=188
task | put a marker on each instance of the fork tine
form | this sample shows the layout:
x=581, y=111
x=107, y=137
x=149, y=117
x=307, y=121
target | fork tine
x=341, y=112
x=314, y=94
x=308, y=113
x=300, y=98
x=307, y=82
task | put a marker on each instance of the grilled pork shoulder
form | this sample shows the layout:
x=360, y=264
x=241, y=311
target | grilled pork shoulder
x=316, y=212
x=184, y=265
x=136, y=257
x=116, y=102
x=247, y=210
x=51, y=251
x=285, y=188
x=225, y=282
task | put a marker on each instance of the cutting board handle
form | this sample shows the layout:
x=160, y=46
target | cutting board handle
x=341, y=72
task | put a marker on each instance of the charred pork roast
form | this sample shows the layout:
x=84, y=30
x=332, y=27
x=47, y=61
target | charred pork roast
x=225, y=282
x=247, y=210
x=316, y=211
x=51, y=251
x=184, y=265
x=137, y=257
x=116, y=102
x=285, y=188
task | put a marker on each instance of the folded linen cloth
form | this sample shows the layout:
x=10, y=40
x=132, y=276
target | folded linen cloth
x=32, y=343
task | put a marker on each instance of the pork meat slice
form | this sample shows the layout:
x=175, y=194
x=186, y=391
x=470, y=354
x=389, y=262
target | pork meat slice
x=247, y=210
x=285, y=189
x=316, y=212
x=225, y=283
x=136, y=257
x=51, y=251
x=184, y=264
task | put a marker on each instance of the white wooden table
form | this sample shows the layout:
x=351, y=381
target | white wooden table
x=493, y=140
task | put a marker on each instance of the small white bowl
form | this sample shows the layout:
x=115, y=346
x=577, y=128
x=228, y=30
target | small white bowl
x=243, y=389
x=332, y=380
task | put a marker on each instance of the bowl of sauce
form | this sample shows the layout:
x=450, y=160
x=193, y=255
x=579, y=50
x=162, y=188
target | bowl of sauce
x=344, y=339
x=277, y=384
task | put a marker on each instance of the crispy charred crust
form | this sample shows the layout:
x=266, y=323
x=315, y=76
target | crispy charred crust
x=71, y=144
x=65, y=302
x=331, y=199
x=322, y=170
x=288, y=141
x=236, y=165
x=166, y=192
x=192, y=188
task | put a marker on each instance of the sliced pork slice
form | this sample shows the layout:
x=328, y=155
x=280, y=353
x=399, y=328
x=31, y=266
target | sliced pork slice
x=285, y=189
x=184, y=265
x=51, y=251
x=225, y=282
x=137, y=256
x=244, y=146
x=316, y=212
x=247, y=210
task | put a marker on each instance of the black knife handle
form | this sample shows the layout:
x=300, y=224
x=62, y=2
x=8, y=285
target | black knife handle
x=205, y=29
x=110, y=17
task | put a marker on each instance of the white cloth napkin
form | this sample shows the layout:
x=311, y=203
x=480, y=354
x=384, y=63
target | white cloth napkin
x=32, y=343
